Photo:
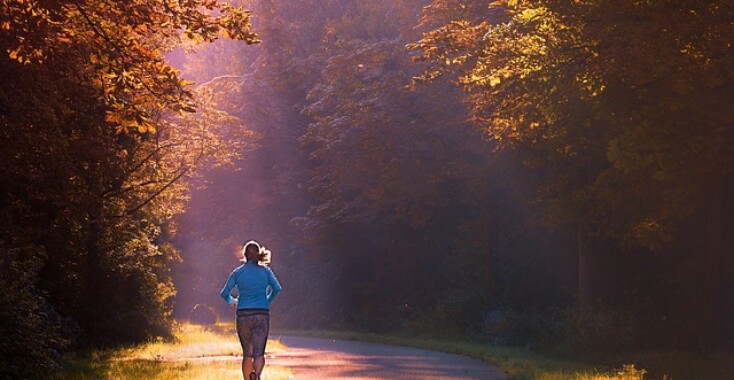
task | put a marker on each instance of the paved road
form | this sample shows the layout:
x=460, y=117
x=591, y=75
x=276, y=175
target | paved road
x=316, y=358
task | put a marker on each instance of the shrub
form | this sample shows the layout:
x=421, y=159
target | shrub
x=203, y=315
x=31, y=336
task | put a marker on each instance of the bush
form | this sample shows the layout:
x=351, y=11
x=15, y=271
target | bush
x=569, y=329
x=203, y=315
x=509, y=327
x=31, y=339
x=587, y=329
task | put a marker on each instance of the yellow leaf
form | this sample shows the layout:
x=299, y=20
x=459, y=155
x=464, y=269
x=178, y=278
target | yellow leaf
x=111, y=118
x=528, y=14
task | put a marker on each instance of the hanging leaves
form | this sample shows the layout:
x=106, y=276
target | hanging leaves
x=123, y=43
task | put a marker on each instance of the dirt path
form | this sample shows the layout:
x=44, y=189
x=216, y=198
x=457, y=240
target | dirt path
x=315, y=358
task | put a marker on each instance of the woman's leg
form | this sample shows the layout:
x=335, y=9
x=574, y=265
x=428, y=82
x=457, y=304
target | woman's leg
x=260, y=331
x=247, y=367
x=259, y=364
x=244, y=332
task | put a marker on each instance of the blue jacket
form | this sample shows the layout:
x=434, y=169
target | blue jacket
x=256, y=286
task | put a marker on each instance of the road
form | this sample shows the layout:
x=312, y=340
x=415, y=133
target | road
x=316, y=358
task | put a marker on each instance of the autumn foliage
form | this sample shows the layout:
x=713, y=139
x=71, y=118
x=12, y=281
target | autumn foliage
x=122, y=43
x=100, y=140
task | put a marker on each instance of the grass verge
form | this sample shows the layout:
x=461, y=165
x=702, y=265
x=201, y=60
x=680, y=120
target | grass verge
x=201, y=353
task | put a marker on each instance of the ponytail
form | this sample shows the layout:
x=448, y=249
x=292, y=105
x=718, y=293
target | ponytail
x=265, y=256
x=255, y=253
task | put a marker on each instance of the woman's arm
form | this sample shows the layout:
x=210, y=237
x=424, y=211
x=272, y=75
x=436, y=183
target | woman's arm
x=225, y=293
x=275, y=287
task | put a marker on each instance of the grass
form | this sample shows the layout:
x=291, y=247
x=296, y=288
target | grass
x=193, y=341
x=201, y=353
x=522, y=364
x=209, y=353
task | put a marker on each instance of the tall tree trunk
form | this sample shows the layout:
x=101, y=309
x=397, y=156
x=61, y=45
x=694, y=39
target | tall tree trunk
x=585, y=269
x=92, y=286
x=493, y=245
x=713, y=312
x=490, y=293
x=728, y=263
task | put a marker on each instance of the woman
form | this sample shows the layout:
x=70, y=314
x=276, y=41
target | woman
x=257, y=287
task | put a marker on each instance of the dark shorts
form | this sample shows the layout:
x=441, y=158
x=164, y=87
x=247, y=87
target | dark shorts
x=253, y=327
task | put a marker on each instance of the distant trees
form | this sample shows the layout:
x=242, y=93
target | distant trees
x=374, y=195
x=582, y=199
x=391, y=167
x=569, y=187
x=98, y=140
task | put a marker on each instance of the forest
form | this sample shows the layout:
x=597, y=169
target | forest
x=553, y=175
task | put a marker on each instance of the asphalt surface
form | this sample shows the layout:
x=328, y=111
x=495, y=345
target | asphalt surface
x=317, y=358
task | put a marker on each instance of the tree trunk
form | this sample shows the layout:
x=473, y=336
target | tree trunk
x=489, y=278
x=713, y=312
x=585, y=270
x=93, y=284
x=728, y=260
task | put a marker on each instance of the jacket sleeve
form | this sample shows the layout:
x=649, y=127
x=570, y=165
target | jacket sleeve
x=225, y=293
x=275, y=287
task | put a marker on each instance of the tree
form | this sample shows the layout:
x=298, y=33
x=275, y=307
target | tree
x=622, y=97
x=101, y=143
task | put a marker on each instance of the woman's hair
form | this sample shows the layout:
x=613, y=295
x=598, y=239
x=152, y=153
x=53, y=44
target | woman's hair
x=256, y=253
x=265, y=256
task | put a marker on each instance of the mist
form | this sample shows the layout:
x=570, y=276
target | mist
x=390, y=206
